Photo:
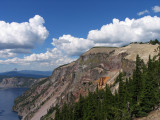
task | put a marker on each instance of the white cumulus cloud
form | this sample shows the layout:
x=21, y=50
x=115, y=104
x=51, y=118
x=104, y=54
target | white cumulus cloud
x=66, y=48
x=7, y=53
x=72, y=46
x=23, y=35
x=156, y=9
x=130, y=30
x=142, y=12
x=51, y=58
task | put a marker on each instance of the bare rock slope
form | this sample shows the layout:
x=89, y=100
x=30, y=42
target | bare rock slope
x=67, y=82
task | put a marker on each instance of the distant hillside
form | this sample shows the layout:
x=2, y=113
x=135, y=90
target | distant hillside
x=24, y=78
x=45, y=73
x=26, y=73
x=16, y=82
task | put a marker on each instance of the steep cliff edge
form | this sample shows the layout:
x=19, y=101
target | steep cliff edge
x=69, y=81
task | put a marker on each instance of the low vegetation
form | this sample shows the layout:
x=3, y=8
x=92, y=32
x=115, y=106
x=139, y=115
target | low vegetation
x=153, y=42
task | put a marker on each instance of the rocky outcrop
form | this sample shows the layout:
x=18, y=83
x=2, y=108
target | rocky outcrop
x=16, y=82
x=69, y=81
x=154, y=115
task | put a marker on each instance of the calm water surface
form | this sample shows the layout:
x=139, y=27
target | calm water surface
x=7, y=97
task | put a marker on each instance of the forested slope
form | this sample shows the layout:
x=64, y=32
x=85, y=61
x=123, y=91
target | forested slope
x=136, y=97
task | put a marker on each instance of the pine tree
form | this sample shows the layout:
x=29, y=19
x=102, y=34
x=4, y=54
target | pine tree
x=107, y=101
x=137, y=81
x=65, y=112
x=121, y=92
x=57, y=115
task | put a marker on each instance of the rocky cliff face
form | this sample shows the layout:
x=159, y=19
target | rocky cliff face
x=16, y=82
x=69, y=81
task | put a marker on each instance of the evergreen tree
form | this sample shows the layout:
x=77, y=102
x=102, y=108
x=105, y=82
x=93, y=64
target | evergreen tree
x=137, y=80
x=57, y=115
x=121, y=92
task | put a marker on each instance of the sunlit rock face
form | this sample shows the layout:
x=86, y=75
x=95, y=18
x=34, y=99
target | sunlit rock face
x=67, y=82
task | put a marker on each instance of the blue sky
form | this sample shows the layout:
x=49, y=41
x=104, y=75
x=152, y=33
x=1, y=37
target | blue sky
x=72, y=20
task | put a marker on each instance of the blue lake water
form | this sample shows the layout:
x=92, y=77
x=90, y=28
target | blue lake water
x=7, y=97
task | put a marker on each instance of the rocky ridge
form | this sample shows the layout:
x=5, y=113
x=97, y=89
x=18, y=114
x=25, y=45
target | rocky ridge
x=67, y=82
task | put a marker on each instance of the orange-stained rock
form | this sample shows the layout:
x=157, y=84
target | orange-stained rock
x=102, y=81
